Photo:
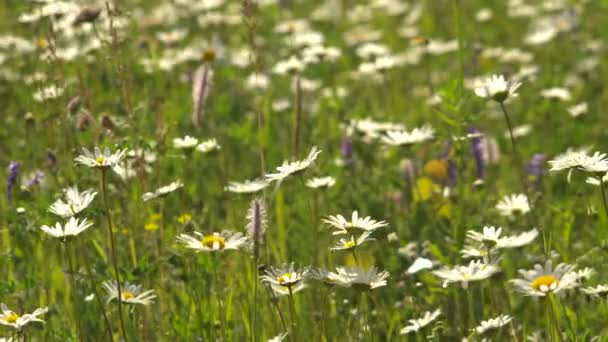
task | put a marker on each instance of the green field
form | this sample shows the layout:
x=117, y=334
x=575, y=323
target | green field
x=303, y=170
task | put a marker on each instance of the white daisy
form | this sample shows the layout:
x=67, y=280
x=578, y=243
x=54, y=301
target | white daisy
x=416, y=324
x=75, y=202
x=516, y=204
x=400, y=138
x=186, y=142
x=491, y=238
x=493, y=323
x=290, y=168
x=247, y=186
x=291, y=66
x=363, y=223
x=364, y=279
x=580, y=160
x=542, y=280
x=285, y=278
x=71, y=228
x=215, y=242
x=419, y=265
x=97, y=159
x=162, y=191
x=130, y=293
x=497, y=88
x=208, y=146
x=352, y=242
x=474, y=252
x=578, y=110
x=464, y=274
x=13, y=319
x=321, y=182
x=597, y=291
x=329, y=278
x=556, y=93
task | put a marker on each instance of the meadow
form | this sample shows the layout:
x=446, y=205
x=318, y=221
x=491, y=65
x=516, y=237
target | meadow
x=293, y=170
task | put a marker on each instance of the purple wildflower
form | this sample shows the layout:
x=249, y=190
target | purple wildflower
x=477, y=150
x=35, y=180
x=535, y=167
x=346, y=148
x=13, y=173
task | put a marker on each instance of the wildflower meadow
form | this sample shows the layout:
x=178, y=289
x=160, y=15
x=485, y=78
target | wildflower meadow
x=303, y=170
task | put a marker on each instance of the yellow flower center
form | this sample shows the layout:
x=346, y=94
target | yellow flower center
x=209, y=55
x=350, y=244
x=99, y=160
x=126, y=295
x=286, y=279
x=215, y=242
x=12, y=318
x=545, y=283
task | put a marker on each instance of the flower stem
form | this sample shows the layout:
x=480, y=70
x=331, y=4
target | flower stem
x=294, y=318
x=113, y=252
x=603, y=190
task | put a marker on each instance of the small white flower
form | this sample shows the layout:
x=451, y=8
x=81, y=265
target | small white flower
x=556, y=93
x=215, y=242
x=12, y=319
x=287, y=276
x=186, y=142
x=75, y=202
x=497, y=88
x=516, y=204
x=321, y=182
x=278, y=338
x=464, y=274
x=329, y=278
x=365, y=279
x=291, y=66
x=162, y=191
x=419, y=265
x=578, y=110
x=97, y=159
x=580, y=160
x=130, y=293
x=597, y=291
x=541, y=280
x=247, y=187
x=352, y=242
x=208, y=146
x=416, y=324
x=493, y=323
x=400, y=138
x=290, y=168
x=71, y=228
x=363, y=223
x=491, y=237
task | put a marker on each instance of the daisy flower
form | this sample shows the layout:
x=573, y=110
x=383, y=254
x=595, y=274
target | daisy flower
x=352, y=242
x=162, y=191
x=419, y=265
x=542, y=280
x=497, y=88
x=329, y=278
x=214, y=242
x=416, y=324
x=475, y=252
x=321, y=182
x=186, y=142
x=290, y=168
x=363, y=279
x=597, y=291
x=247, y=186
x=71, y=228
x=363, y=223
x=400, y=138
x=291, y=66
x=285, y=279
x=512, y=205
x=75, y=202
x=208, y=146
x=13, y=319
x=100, y=160
x=130, y=293
x=491, y=238
x=580, y=160
x=492, y=323
x=464, y=274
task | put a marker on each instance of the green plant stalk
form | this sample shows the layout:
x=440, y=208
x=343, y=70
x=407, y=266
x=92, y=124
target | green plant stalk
x=113, y=252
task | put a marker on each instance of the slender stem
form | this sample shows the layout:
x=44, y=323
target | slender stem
x=98, y=300
x=294, y=318
x=275, y=301
x=113, y=252
x=73, y=290
x=298, y=116
x=219, y=295
x=603, y=189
